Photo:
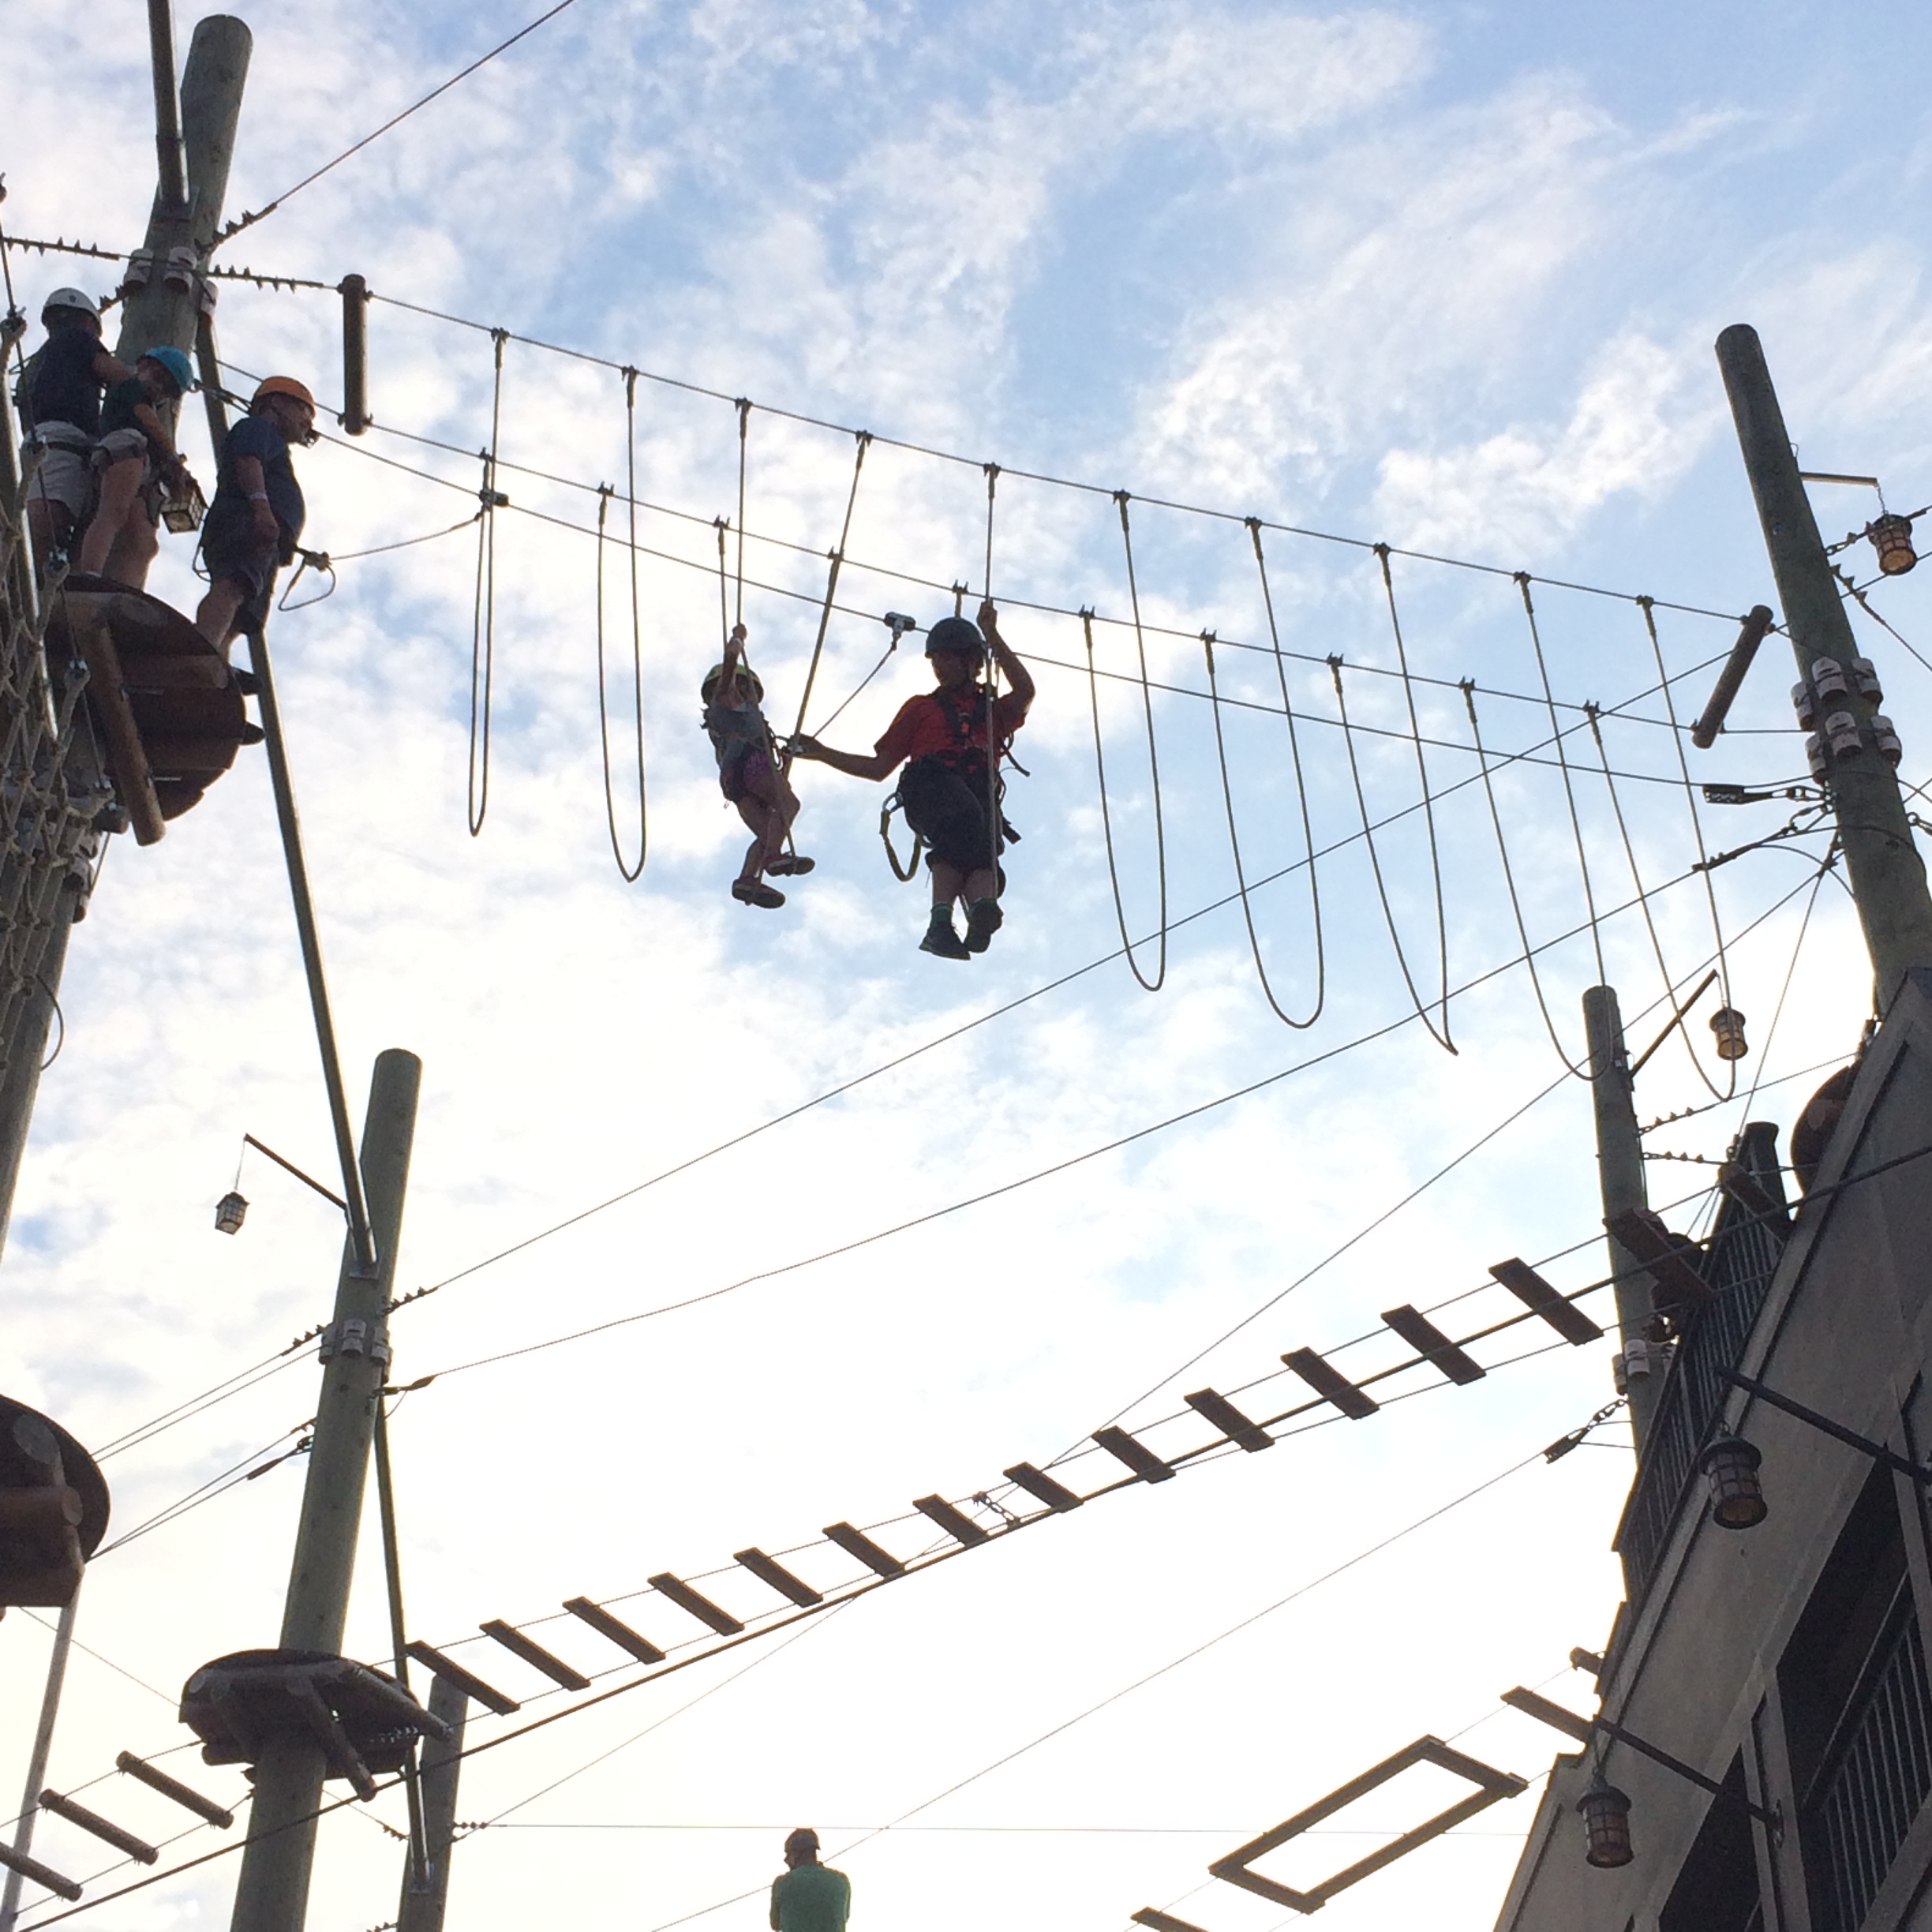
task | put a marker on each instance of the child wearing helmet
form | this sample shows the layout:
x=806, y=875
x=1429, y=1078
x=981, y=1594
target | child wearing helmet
x=257, y=515
x=749, y=774
x=137, y=464
x=59, y=401
x=949, y=740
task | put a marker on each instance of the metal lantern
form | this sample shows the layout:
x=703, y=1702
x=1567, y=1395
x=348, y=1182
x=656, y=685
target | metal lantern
x=1606, y=1824
x=1891, y=536
x=1727, y=1023
x=1737, y=1496
x=230, y=1210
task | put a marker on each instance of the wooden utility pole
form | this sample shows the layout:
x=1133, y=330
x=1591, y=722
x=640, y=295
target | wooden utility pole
x=423, y=1906
x=37, y=1761
x=272, y=1893
x=1620, y=1174
x=1887, y=876
x=51, y=785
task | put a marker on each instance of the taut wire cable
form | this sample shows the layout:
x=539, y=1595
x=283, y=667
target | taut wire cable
x=483, y=626
x=1429, y=808
x=1241, y=877
x=1562, y=761
x=1509, y=879
x=1441, y=1039
x=832, y=576
x=1647, y=606
x=1106, y=832
x=1294, y=753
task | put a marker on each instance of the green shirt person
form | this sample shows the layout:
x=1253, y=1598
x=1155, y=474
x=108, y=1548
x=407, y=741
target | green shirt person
x=809, y=1897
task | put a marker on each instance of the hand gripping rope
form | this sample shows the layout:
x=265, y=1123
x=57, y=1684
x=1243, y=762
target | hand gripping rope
x=483, y=626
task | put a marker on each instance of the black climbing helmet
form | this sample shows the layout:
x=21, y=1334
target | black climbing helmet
x=956, y=633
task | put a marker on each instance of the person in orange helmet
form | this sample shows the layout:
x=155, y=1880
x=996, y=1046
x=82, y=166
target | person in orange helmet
x=253, y=524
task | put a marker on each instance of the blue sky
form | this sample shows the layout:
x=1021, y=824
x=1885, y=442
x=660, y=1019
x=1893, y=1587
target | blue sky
x=1445, y=278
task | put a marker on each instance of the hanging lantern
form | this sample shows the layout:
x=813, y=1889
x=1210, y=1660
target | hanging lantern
x=1891, y=536
x=230, y=1210
x=1727, y=1023
x=1606, y=1824
x=1737, y=1496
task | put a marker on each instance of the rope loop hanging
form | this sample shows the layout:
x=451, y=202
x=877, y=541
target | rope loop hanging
x=1647, y=606
x=1441, y=1039
x=1581, y=1071
x=837, y=560
x=1106, y=829
x=1428, y=805
x=1563, y=763
x=628, y=871
x=483, y=622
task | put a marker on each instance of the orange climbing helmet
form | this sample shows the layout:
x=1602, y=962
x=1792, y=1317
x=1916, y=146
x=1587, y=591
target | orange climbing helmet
x=283, y=385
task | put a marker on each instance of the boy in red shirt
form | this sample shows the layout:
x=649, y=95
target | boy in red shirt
x=942, y=738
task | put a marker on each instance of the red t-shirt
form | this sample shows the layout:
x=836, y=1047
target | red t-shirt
x=926, y=725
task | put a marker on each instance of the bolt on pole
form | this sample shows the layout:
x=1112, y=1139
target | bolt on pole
x=1887, y=875
x=272, y=1893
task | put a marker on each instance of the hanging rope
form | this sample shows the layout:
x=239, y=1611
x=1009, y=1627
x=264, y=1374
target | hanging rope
x=864, y=438
x=1509, y=878
x=1241, y=878
x=1441, y=1039
x=1647, y=606
x=1106, y=829
x=724, y=624
x=995, y=748
x=1146, y=701
x=1294, y=753
x=637, y=668
x=1562, y=761
x=744, y=407
x=1429, y=807
x=483, y=626
x=992, y=478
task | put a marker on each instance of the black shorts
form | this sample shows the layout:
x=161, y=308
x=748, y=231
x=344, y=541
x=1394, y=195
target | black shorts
x=947, y=808
x=235, y=553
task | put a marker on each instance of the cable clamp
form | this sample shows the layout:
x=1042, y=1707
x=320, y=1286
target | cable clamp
x=351, y=1337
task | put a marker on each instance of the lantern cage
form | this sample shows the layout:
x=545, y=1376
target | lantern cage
x=1727, y=1023
x=230, y=1211
x=1737, y=1496
x=1892, y=537
x=1606, y=1825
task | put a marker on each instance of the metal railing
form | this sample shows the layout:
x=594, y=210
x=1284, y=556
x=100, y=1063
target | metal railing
x=1874, y=1782
x=1742, y=1258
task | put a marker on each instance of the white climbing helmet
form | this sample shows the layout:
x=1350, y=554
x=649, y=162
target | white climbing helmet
x=71, y=298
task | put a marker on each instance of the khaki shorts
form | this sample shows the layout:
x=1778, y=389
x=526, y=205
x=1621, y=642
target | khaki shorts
x=64, y=473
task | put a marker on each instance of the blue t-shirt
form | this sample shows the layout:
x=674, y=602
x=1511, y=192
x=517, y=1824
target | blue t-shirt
x=257, y=436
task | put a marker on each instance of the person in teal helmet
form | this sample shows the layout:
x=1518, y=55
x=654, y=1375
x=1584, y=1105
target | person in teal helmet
x=138, y=467
x=809, y=1896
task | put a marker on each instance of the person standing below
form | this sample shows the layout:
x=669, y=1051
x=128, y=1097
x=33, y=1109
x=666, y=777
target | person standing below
x=750, y=775
x=138, y=465
x=809, y=1896
x=252, y=525
x=950, y=740
x=59, y=400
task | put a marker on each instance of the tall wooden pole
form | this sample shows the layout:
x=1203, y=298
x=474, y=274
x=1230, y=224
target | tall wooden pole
x=272, y=1893
x=423, y=1905
x=1887, y=876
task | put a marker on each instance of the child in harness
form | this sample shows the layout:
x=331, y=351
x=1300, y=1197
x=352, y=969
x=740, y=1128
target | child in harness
x=749, y=774
x=950, y=740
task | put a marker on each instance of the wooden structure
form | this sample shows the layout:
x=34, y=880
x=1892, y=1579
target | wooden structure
x=53, y=1509
x=168, y=709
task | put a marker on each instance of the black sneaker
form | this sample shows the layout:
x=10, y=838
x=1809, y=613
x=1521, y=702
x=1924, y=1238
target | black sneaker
x=943, y=942
x=984, y=919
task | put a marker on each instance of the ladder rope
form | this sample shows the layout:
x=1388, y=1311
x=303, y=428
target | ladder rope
x=483, y=620
x=1441, y=1039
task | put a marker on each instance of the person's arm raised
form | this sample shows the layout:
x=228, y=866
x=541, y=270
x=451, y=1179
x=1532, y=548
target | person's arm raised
x=1017, y=675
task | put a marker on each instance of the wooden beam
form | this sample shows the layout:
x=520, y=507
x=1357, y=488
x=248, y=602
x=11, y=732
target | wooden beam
x=1433, y=1345
x=1528, y=1287
x=127, y=763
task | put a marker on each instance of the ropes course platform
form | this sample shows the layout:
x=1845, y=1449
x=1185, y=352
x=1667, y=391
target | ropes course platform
x=169, y=711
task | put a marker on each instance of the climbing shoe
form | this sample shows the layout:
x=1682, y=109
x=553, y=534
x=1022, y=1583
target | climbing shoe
x=789, y=865
x=943, y=942
x=755, y=892
x=984, y=919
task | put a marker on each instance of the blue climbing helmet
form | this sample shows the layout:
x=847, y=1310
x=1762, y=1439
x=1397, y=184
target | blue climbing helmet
x=175, y=363
x=956, y=633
